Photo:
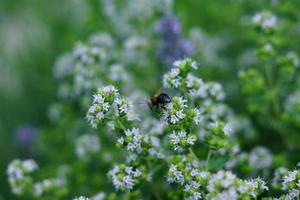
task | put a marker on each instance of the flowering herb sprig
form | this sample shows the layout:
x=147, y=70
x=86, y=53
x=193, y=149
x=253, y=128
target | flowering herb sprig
x=23, y=183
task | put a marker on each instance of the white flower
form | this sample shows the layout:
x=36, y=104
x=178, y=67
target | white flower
x=176, y=176
x=182, y=102
x=227, y=129
x=18, y=173
x=194, y=172
x=81, y=198
x=99, y=196
x=290, y=177
x=198, y=117
x=109, y=89
x=29, y=165
x=260, y=158
x=86, y=145
x=190, y=140
x=265, y=20
x=124, y=179
x=174, y=72
x=180, y=115
x=292, y=195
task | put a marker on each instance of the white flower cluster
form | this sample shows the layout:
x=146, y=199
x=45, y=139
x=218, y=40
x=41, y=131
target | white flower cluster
x=225, y=184
x=81, y=66
x=18, y=172
x=86, y=145
x=136, y=142
x=102, y=102
x=278, y=176
x=124, y=177
x=99, y=196
x=179, y=77
x=79, y=70
x=180, y=139
x=81, y=198
x=264, y=20
x=125, y=107
x=197, y=87
x=198, y=184
x=174, y=79
x=216, y=134
x=175, y=111
x=88, y=54
x=132, y=140
x=293, y=58
x=260, y=158
x=48, y=185
x=289, y=182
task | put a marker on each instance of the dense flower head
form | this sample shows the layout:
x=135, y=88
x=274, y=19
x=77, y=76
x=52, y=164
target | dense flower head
x=102, y=102
x=125, y=107
x=181, y=140
x=265, y=21
x=175, y=110
x=125, y=177
x=132, y=140
x=175, y=78
x=196, y=182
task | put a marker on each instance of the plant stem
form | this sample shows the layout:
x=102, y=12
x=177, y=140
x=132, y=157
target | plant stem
x=193, y=153
x=207, y=160
x=120, y=124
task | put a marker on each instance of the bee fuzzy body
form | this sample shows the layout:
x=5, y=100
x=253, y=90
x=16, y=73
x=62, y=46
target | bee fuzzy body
x=159, y=101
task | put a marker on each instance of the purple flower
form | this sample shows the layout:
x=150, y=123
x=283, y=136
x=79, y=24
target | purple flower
x=26, y=135
x=173, y=46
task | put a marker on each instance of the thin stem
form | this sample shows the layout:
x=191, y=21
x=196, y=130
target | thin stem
x=193, y=153
x=207, y=160
x=153, y=186
x=120, y=124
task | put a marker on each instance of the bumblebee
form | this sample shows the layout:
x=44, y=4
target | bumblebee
x=158, y=101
